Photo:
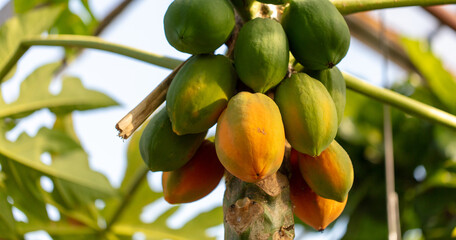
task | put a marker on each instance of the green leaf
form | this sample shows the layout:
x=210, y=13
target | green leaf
x=440, y=81
x=53, y=142
x=22, y=184
x=21, y=6
x=7, y=223
x=24, y=25
x=34, y=95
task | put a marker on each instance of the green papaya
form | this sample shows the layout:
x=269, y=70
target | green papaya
x=317, y=33
x=330, y=175
x=261, y=54
x=308, y=112
x=198, y=26
x=162, y=149
x=199, y=93
x=335, y=84
x=276, y=2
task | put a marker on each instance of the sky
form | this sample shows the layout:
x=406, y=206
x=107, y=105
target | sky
x=128, y=81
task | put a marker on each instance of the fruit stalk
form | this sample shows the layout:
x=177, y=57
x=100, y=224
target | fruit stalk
x=259, y=210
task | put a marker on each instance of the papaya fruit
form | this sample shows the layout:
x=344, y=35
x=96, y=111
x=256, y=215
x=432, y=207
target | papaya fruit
x=335, y=84
x=250, y=139
x=308, y=112
x=198, y=26
x=330, y=174
x=261, y=54
x=312, y=209
x=317, y=33
x=199, y=92
x=196, y=179
x=162, y=149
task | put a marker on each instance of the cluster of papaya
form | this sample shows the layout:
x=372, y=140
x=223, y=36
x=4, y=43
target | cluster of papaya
x=277, y=104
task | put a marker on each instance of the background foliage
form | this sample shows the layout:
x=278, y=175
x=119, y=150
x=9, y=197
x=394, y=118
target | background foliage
x=91, y=208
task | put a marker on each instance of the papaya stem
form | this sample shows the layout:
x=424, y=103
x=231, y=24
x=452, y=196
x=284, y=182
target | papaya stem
x=352, y=6
x=85, y=42
x=401, y=102
x=136, y=117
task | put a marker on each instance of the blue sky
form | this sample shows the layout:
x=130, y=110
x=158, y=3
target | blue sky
x=128, y=81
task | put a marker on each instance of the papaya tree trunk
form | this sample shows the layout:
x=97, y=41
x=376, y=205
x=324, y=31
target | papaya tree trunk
x=258, y=210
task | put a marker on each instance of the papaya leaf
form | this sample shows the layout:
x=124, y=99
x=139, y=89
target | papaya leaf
x=24, y=25
x=7, y=222
x=22, y=184
x=34, y=95
x=22, y=6
x=129, y=223
x=65, y=168
x=440, y=81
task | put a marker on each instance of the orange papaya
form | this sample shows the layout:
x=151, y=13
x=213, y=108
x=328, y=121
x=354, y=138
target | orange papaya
x=312, y=209
x=199, y=93
x=196, y=179
x=250, y=138
x=330, y=174
x=162, y=149
x=308, y=112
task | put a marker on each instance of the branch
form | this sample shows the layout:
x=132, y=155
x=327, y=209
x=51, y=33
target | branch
x=128, y=124
x=401, y=102
x=352, y=6
x=87, y=42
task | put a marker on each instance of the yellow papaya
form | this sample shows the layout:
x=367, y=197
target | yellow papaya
x=317, y=33
x=335, y=84
x=312, y=209
x=308, y=112
x=261, y=54
x=199, y=92
x=162, y=149
x=198, y=26
x=330, y=174
x=250, y=139
x=195, y=179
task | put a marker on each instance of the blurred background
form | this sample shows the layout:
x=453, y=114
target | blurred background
x=420, y=50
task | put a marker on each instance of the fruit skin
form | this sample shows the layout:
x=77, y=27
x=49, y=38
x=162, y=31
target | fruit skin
x=261, y=54
x=312, y=209
x=308, y=112
x=196, y=179
x=162, y=149
x=335, y=84
x=276, y=2
x=330, y=175
x=317, y=33
x=250, y=139
x=198, y=26
x=199, y=93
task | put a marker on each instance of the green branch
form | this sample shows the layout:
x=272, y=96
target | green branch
x=383, y=95
x=352, y=6
x=401, y=102
x=86, y=42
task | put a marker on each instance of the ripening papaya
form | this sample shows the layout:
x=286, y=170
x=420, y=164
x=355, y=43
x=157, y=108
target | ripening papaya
x=261, y=54
x=199, y=93
x=308, y=112
x=335, y=84
x=317, y=33
x=196, y=179
x=162, y=149
x=198, y=26
x=250, y=139
x=308, y=206
x=330, y=174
